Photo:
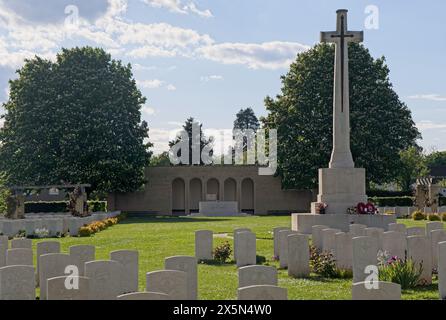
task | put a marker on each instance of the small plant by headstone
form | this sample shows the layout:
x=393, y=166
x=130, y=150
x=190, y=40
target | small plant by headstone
x=223, y=252
x=418, y=215
x=434, y=217
x=397, y=270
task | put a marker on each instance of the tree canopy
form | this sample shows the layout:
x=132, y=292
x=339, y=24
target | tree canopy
x=381, y=125
x=246, y=119
x=75, y=120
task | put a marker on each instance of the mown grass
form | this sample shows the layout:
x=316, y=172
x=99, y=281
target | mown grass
x=161, y=237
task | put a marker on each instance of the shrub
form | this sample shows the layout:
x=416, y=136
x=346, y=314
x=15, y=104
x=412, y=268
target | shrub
x=434, y=217
x=392, y=201
x=97, y=226
x=223, y=252
x=443, y=216
x=442, y=201
x=396, y=270
x=389, y=194
x=62, y=206
x=418, y=215
x=324, y=264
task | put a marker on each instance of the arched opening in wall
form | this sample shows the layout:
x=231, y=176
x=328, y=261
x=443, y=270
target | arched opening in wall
x=178, y=196
x=247, y=201
x=230, y=190
x=213, y=190
x=196, y=195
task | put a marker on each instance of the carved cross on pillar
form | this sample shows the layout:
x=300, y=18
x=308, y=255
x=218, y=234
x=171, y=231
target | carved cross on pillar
x=341, y=155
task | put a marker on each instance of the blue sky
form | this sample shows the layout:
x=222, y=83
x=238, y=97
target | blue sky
x=209, y=58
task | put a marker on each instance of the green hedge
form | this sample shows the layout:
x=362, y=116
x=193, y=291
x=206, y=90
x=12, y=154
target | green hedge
x=442, y=201
x=392, y=201
x=61, y=206
x=389, y=194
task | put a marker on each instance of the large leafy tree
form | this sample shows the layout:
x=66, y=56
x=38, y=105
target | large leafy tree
x=413, y=166
x=246, y=119
x=436, y=159
x=381, y=125
x=76, y=120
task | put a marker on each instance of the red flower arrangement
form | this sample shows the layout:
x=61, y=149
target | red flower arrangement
x=368, y=208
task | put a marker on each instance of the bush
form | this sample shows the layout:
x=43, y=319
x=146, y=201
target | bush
x=442, y=201
x=62, y=206
x=97, y=226
x=323, y=264
x=401, y=271
x=388, y=194
x=393, y=201
x=223, y=252
x=443, y=216
x=418, y=215
x=434, y=217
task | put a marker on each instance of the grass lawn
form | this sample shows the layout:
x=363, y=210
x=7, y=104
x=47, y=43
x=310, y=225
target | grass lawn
x=158, y=238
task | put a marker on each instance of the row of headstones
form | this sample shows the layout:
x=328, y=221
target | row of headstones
x=116, y=278
x=402, y=212
x=421, y=244
x=255, y=282
x=55, y=225
x=359, y=248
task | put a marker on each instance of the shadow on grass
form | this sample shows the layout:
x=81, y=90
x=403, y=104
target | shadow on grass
x=160, y=219
x=420, y=289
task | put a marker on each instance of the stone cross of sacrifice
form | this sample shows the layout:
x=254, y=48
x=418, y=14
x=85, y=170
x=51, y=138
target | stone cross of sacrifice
x=341, y=156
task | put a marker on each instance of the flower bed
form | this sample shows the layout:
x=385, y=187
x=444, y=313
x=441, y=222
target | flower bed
x=97, y=226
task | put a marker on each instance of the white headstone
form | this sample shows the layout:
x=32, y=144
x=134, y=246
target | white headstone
x=434, y=225
x=204, y=244
x=74, y=224
x=51, y=265
x=144, y=296
x=442, y=270
x=264, y=293
x=276, y=240
x=30, y=227
x=283, y=247
x=365, y=254
x=416, y=231
x=46, y=247
x=376, y=233
x=384, y=291
x=298, y=255
x=17, y=283
x=257, y=275
x=344, y=250
x=395, y=244
x=171, y=282
x=21, y=244
x=328, y=240
x=78, y=288
x=105, y=279
x=357, y=230
x=4, y=244
x=19, y=257
x=236, y=232
x=189, y=266
x=316, y=235
x=246, y=249
x=436, y=237
x=129, y=259
x=82, y=254
x=398, y=227
x=419, y=250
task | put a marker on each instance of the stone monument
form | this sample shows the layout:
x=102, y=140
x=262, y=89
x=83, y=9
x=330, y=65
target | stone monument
x=341, y=185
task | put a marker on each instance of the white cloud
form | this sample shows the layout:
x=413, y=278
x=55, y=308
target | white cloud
x=148, y=110
x=155, y=84
x=139, y=67
x=267, y=55
x=429, y=97
x=211, y=78
x=430, y=125
x=150, y=84
x=177, y=6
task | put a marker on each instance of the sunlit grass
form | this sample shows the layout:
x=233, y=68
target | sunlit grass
x=158, y=238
